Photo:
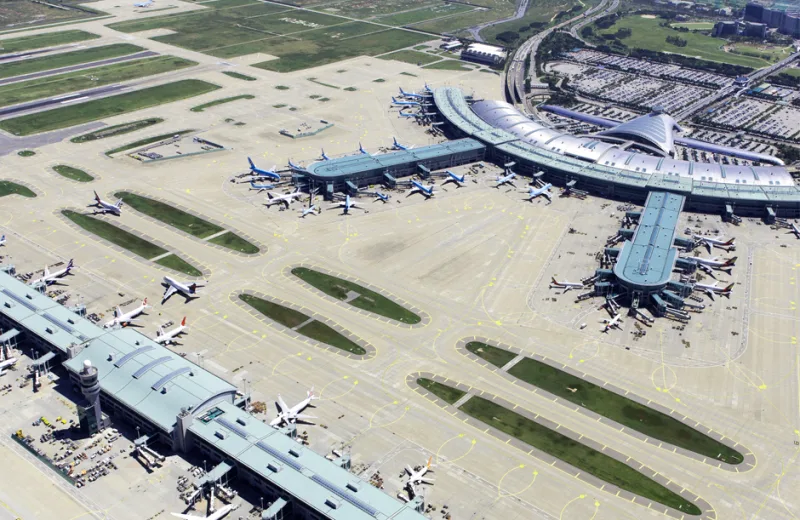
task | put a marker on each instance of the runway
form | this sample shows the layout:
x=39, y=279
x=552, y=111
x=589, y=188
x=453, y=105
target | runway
x=93, y=64
x=84, y=95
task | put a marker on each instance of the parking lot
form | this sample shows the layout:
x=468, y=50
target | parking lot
x=755, y=115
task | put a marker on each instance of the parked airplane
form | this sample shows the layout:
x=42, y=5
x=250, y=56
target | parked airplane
x=505, y=179
x=404, y=103
x=793, y=229
x=544, y=191
x=106, y=207
x=409, y=114
x=427, y=88
x=2, y=240
x=10, y=362
x=126, y=318
x=297, y=167
x=410, y=94
x=398, y=146
x=555, y=284
x=220, y=513
x=270, y=174
x=285, y=199
x=290, y=415
x=144, y=4
x=324, y=156
x=173, y=286
x=260, y=187
x=361, y=150
x=347, y=204
x=714, y=242
x=426, y=191
x=612, y=323
x=311, y=210
x=715, y=263
x=710, y=290
x=455, y=179
x=381, y=197
x=417, y=477
x=51, y=278
x=167, y=337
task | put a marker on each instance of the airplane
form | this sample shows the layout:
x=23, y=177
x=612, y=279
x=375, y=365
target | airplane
x=285, y=199
x=311, y=210
x=290, y=415
x=612, y=323
x=544, y=191
x=409, y=115
x=404, y=103
x=398, y=146
x=793, y=226
x=711, y=242
x=270, y=174
x=126, y=318
x=426, y=191
x=381, y=197
x=417, y=477
x=173, y=286
x=106, y=207
x=2, y=240
x=220, y=513
x=455, y=179
x=414, y=95
x=260, y=187
x=49, y=278
x=710, y=290
x=297, y=167
x=165, y=338
x=324, y=156
x=10, y=362
x=714, y=263
x=361, y=150
x=144, y=4
x=346, y=204
x=506, y=179
x=555, y=284
x=427, y=88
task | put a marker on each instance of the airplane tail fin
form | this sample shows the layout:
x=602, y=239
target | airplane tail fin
x=70, y=265
x=96, y=197
x=553, y=280
x=118, y=312
x=269, y=196
x=310, y=394
x=144, y=303
x=160, y=332
x=728, y=289
x=193, y=288
x=252, y=166
x=731, y=262
x=729, y=242
x=183, y=322
x=429, y=462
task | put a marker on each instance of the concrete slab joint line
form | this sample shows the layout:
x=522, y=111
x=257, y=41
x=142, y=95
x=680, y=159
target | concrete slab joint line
x=747, y=463
x=411, y=381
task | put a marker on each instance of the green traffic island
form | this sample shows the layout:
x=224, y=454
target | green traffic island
x=238, y=75
x=187, y=223
x=135, y=244
x=357, y=295
x=563, y=446
x=622, y=410
x=72, y=173
x=148, y=140
x=309, y=326
x=26, y=153
x=112, y=131
x=12, y=188
x=200, y=108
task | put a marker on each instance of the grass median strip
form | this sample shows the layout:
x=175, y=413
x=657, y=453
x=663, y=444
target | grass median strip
x=12, y=188
x=130, y=242
x=291, y=318
x=200, y=108
x=610, y=405
x=363, y=298
x=65, y=59
x=40, y=41
x=238, y=75
x=72, y=173
x=233, y=241
x=111, y=131
x=146, y=141
x=562, y=447
x=78, y=113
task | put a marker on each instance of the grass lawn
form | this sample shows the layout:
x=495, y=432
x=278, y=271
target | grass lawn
x=499, y=357
x=30, y=90
x=26, y=43
x=146, y=141
x=26, y=153
x=542, y=13
x=447, y=65
x=233, y=241
x=169, y=215
x=76, y=114
x=792, y=71
x=179, y=264
x=72, y=173
x=420, y=15
x=237, y=75
x=694, y=26
x=413, y=57
x=367, y=300
x=321, y=332
x=12, y=188
x=443, y=392
x=111, y=131
x=574, y=453
x=200, y=108
x=65, y=59
x=649, y=35
x=115, y=235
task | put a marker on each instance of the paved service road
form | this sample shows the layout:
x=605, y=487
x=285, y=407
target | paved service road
x=521, y=8
x=109, y=61
x=60, y=100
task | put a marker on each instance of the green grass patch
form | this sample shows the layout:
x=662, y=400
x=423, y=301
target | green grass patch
x=318, y=82
x=792, y=71
x=279, y=105
x=412, y=57
x=76, y=114
x=26, y=43
x=367, y=300
x=420, y=47
x=65, y=59
x=30, y=90
x=170, y=215
x=694, y=26
x=421, y=15
x=238, y=75
x=499, y=357
x=281, y=87
x=379, y=80
x=72, y=173
x=321, y=332
x=324, y=100
x=574, y=453
x=146, y=141
x=447, y=65
x=12, y=188
x=111, y=131
x=115, y=235
x=314, y=96
x=443, y=392
x=26, y=153
x=233, y=241
x=408, y=74
x=200, y=108
x=176, y=263
x=351, y=89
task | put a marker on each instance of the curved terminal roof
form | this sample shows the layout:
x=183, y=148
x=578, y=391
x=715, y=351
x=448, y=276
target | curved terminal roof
x=653, y=129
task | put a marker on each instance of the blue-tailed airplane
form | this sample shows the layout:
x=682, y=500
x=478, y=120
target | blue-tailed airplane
x=381, y=197
x=414, y=115
x=361, y=150
x=297, y=167
x=544, y=191
x=311, y=210
x=346, y=204
x=260, y=187
x=148, y=3
x=270, y=174
x=506, y=179
x=410, y=94
x=425, y=191
x=427, y=88
x=404, y=103
x=324, y=156
x=398, y=146
x=2, y=240
x=457, y=180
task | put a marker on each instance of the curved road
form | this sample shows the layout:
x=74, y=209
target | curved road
x=476, y=30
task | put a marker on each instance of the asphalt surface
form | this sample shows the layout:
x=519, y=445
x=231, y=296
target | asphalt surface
x=4, y=57
x=61, y=100
x=52, y=72
x=520, y=12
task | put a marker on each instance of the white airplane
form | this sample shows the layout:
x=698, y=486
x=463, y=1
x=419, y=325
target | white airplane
x=220, y=513
x=10, y=362
x=270, y=174
x=324, y=157
x=174, y=286
x=612, y=323
x=144, y=4
x=347, y=204
x=126, y=318
x=417, y=477
x=167, y=337
x=505, y=179
x=290, y=415
x=2, y=240
x=361, y=150
x=106, y=207
x=793, y=229
x=398, y=146
x=260, y=187
x=455, y=179
x=404, y=103
x=710, y=290
x=311, y=210
x=49, y=278
x=426, y=191
x=413, y=95
x=715, y=263
x=544, y=191
x=555, y=284
x=285, y=199
x=714, y=242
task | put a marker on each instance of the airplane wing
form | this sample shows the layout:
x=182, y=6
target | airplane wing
x=281, y=404
x=285, y=203
x=708, y=246
x=408, y=470
x=169, y=292
x=710, y=294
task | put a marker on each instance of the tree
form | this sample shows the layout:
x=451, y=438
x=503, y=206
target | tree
x=789, y=154
x=508, y=37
